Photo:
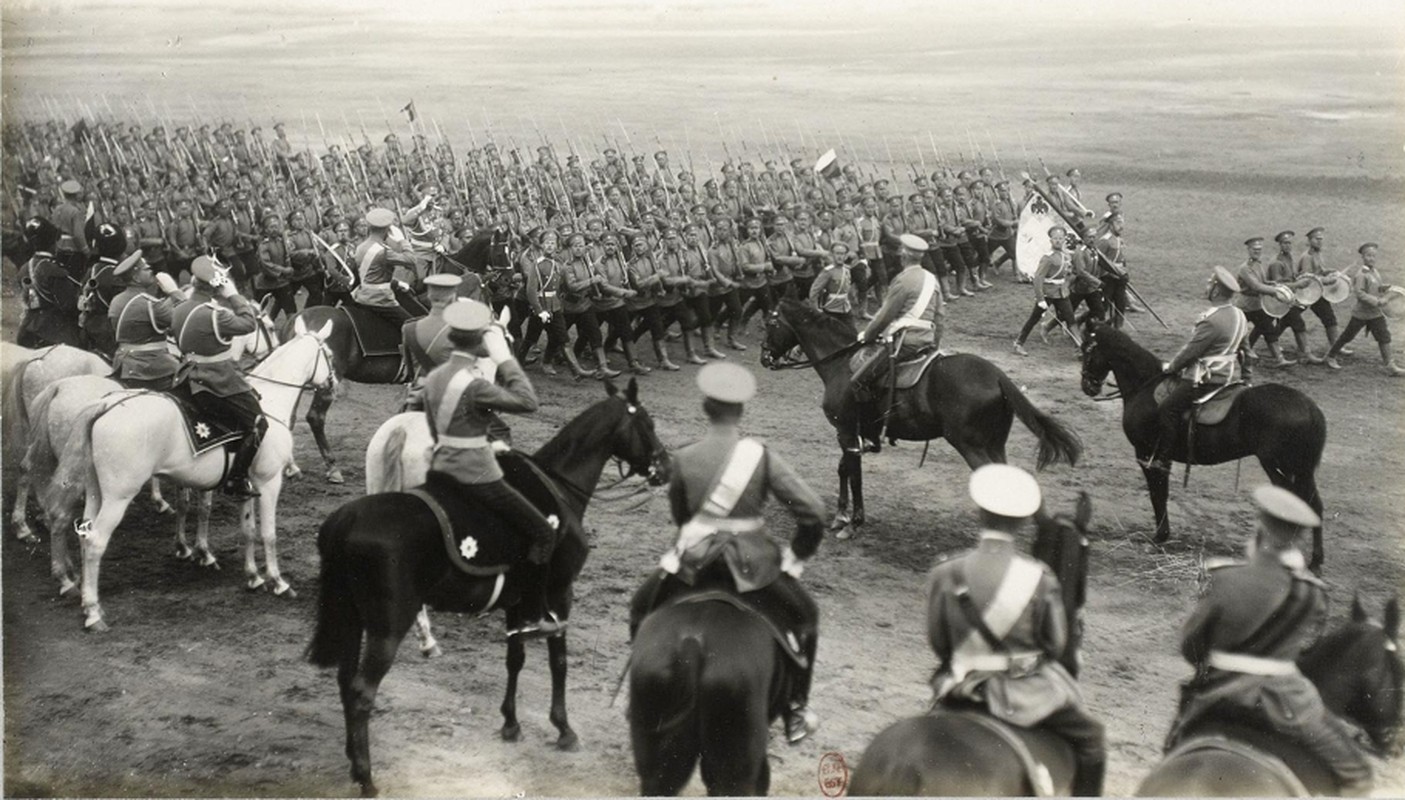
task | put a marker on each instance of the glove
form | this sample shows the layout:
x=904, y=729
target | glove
x=1043, y=305
x=860, y=338
x=402, y=286
x=496, y=344
x=791, y=563
x=166, y=283
x=439, y=248
x=499, y=446
x=1166, y=367
x=544, y=316
x=226, y=289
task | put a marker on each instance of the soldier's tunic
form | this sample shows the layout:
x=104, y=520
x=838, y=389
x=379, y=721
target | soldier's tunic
x=1311, y=262
x=102, y=286
x=72, y=246
x=205, y=329
x=1206, y=363
x=182, y=243
x=1244, y=660
x=1022, y=681
x=1114, y=277
x=1051, y=287
x=723, y=298
x=1368, y=289
x=141, y=322
x=375, y=266
x=1282, y=270
x=1253, y=275
x=913, y=305
x=152, y=241
x=832, y=291
x=51, y=304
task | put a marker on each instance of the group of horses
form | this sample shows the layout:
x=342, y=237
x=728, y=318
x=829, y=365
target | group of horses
x=706, y=681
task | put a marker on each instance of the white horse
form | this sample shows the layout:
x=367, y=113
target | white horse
x=51, y=422
x=122, y=442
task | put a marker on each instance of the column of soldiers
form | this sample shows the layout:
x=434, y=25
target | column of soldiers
x=630, y=244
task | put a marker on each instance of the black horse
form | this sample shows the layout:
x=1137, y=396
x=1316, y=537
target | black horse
x=383, y=557
x=962, y=397
x=1358, y=672
x=953, y=754
x=1279, y=424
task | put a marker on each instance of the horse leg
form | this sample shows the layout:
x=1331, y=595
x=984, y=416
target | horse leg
x=850, y=464
x=182, y=509
x=248, y=524
x=429, y=647
x=60, y=559
x=556, y=655
x=162, y=507
x=18, y=515
x=268, y=532
x=856, y=483
x=359, y=681
x=203, y=555
x=317, y=421
x=95, y=534
x=1305, y=486
x=516, y=657
x=1158, y=485
x=841, y=513
x=734, y=744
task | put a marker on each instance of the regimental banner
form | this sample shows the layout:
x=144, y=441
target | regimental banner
x=1032, y=235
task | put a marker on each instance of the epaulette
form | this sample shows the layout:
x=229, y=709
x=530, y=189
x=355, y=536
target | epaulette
x=1221, y=563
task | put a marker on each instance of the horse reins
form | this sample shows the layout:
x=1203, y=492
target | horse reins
x=837, y=354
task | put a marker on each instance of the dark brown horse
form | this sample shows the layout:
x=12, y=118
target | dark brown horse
x=1278, y=424
x=950, y=753
x=383, y=557
x=963, y=398
x=1358, y=672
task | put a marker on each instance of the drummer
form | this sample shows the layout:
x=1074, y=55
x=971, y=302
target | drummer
x=1369, y=313
x=1311, y=262
x=1283, y=271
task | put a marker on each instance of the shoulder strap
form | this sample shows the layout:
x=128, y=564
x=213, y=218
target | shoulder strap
x=1283, y=621
x=1017, y=588
x=453, y=393
x=733, y=479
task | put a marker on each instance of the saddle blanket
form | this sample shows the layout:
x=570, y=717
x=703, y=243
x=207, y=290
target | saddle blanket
x=1037, y=750
x=910, y=370
x=751, y=604
x=1209, y=410
x=478, y=539
x=376, y=335
x=204, y=432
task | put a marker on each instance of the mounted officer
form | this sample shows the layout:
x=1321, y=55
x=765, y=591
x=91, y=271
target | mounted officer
x=718, y=489
x=910, y=320
x=205, y=328
x=1245, y=636
x=141, y=316
x=995, y=618
x=1208, y=362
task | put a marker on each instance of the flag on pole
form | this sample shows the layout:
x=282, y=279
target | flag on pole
x=409, y=109
x=1032, y=235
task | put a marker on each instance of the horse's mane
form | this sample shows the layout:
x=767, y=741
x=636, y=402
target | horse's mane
x=1122, y=347
x=1338, y=645
x=803, y=314
x=567, y=446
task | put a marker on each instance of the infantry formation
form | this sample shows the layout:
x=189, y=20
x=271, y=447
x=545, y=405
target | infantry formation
x=464, y=261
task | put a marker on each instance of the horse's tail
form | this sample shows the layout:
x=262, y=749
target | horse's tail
x=338, y=630
x=1057, y=442
x=392, y=471
x=664, y=693
x=14, y=406
x=39, y=456
x=76, y=469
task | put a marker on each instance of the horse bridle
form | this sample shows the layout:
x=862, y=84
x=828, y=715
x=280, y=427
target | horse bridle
x=324, y=353
x=649, y=470
x=778, y=362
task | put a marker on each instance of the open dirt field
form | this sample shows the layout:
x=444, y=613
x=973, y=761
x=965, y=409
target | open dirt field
x=199, y=689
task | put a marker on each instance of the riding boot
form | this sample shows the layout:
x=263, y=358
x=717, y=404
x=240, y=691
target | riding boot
x=708, y=346
x=693, y=357
x=661, y=353
x=604, y=371
x=800, y=721
x=237, y=483
x=1088, y=779
x=535, y=622
x=870, y=426
x=635, y=365
x=576, y=369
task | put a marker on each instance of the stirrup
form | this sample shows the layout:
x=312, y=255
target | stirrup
x=799, y=724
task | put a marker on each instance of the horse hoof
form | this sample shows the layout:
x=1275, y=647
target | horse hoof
x=432, y=651
x=569, y=742
x=27, y=536
x=183, y=553
x=334, y=476
x=255, y=583
x=66, y=587
x=95, y=624
x=511, y=733
x=162, y=507
x=281, y=588
x=292, y=471
x=369, y=790
x=209, y=562
x=846, y=533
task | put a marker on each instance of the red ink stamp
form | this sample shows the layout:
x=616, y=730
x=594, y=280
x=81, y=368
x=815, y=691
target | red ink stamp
x=834, y=775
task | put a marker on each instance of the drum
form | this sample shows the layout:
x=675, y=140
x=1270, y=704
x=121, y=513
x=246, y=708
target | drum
x=1336, y=287
x=1309, y=293
x=1393, y=302
x=1275, y=305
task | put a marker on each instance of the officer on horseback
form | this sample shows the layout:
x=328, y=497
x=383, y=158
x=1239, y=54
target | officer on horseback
x=1245, y=636
x=205, y=327
x=909, y=320
x=459, y=402
x=996, y=620
x=718, y=489
x=141, y=316
x=1208, y=362
x=375, y=264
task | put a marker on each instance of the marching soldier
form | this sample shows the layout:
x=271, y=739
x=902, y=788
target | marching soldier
x=610, y=307
x=1254, y=621
x=1370, y=293
x=909, y=320
x=151, y=237
x=1254, y=283
x=141, y=315
x=724, y=298
x=1283, y=272
x=1311, y=262
x=647, y=280
x=1004, y=218
x=460, y=405
x=205, y=327
x=182, y=240
x=719, y=487
x=1209, y=361
x=1112, y=268
x=832, y=291
x=1051, y=281
x=995, y=618
x=701, y=278
x=71, y=250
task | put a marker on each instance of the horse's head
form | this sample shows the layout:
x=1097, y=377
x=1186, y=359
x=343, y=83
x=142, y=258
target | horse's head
x=778, y=340
x=1358, y=672
x=634, y=441
x=323, y=374
x=1061, y=541
x=263, y=340
x=1096, y=365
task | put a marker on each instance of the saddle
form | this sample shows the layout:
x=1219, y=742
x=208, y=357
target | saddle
x=479, y=541
x=1296, y=768
x=1213, y=408
x=376, y=334
x=911, y=370
x=205, y=433
x=749, y=604
x=753, y=559
x=1033, y=748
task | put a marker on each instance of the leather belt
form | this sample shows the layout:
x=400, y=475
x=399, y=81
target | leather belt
x=196, y=358
x=143, y=347
x=1251, y=665
x=462, y=442
x=1000, y=662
